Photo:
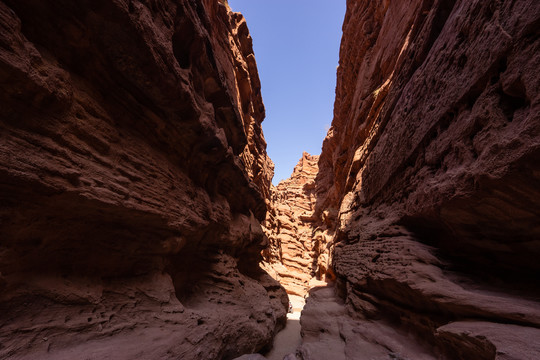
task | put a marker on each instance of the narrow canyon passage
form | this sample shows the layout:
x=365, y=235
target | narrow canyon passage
x=138, y=219
x=289, y=339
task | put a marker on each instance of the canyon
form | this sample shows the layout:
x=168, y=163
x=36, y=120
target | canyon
x=138, y=218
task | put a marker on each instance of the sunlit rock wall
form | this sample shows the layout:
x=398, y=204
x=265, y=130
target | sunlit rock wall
x=297, y=252
x=133, y=180
x=429, y=179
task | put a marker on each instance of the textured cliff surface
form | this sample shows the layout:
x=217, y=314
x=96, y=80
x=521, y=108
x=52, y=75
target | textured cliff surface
x=297, y=253
x=133, y=180
x=429, y=183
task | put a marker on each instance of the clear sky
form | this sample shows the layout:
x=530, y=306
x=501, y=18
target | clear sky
x=296, y=44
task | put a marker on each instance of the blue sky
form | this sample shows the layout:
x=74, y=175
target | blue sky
x=296, y=44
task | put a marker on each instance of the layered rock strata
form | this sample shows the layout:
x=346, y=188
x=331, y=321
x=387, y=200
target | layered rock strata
x=297, y=251
x=133, y=180
x=428, y=183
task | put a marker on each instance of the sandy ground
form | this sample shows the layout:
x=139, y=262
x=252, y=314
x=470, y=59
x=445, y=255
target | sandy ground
x=288, y=339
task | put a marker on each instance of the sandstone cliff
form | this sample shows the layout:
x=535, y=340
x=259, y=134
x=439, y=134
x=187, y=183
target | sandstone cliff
x=428, y=184
x=133, y=179
x=297, y=252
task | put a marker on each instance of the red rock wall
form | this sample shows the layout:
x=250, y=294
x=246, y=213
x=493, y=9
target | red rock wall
x=133, y=180
x=429, y=177
x=297, y=252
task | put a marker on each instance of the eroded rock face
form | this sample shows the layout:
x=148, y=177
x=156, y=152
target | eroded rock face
x=133, y=179
x=428, y=179
x=297, y=251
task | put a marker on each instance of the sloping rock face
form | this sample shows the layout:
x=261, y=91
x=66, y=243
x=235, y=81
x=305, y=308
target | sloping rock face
x=133, y=180
x=429, y=180
x=297, y=251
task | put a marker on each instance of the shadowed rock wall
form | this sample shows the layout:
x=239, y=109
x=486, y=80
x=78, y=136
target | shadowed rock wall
x=429, y=182
x=133, y=179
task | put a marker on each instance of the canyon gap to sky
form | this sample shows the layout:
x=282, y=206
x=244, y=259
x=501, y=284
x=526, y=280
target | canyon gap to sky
x=296, y=44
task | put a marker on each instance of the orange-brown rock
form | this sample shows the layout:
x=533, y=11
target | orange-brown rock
x=133, y=180
x=295, y=247
x=428, y=184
